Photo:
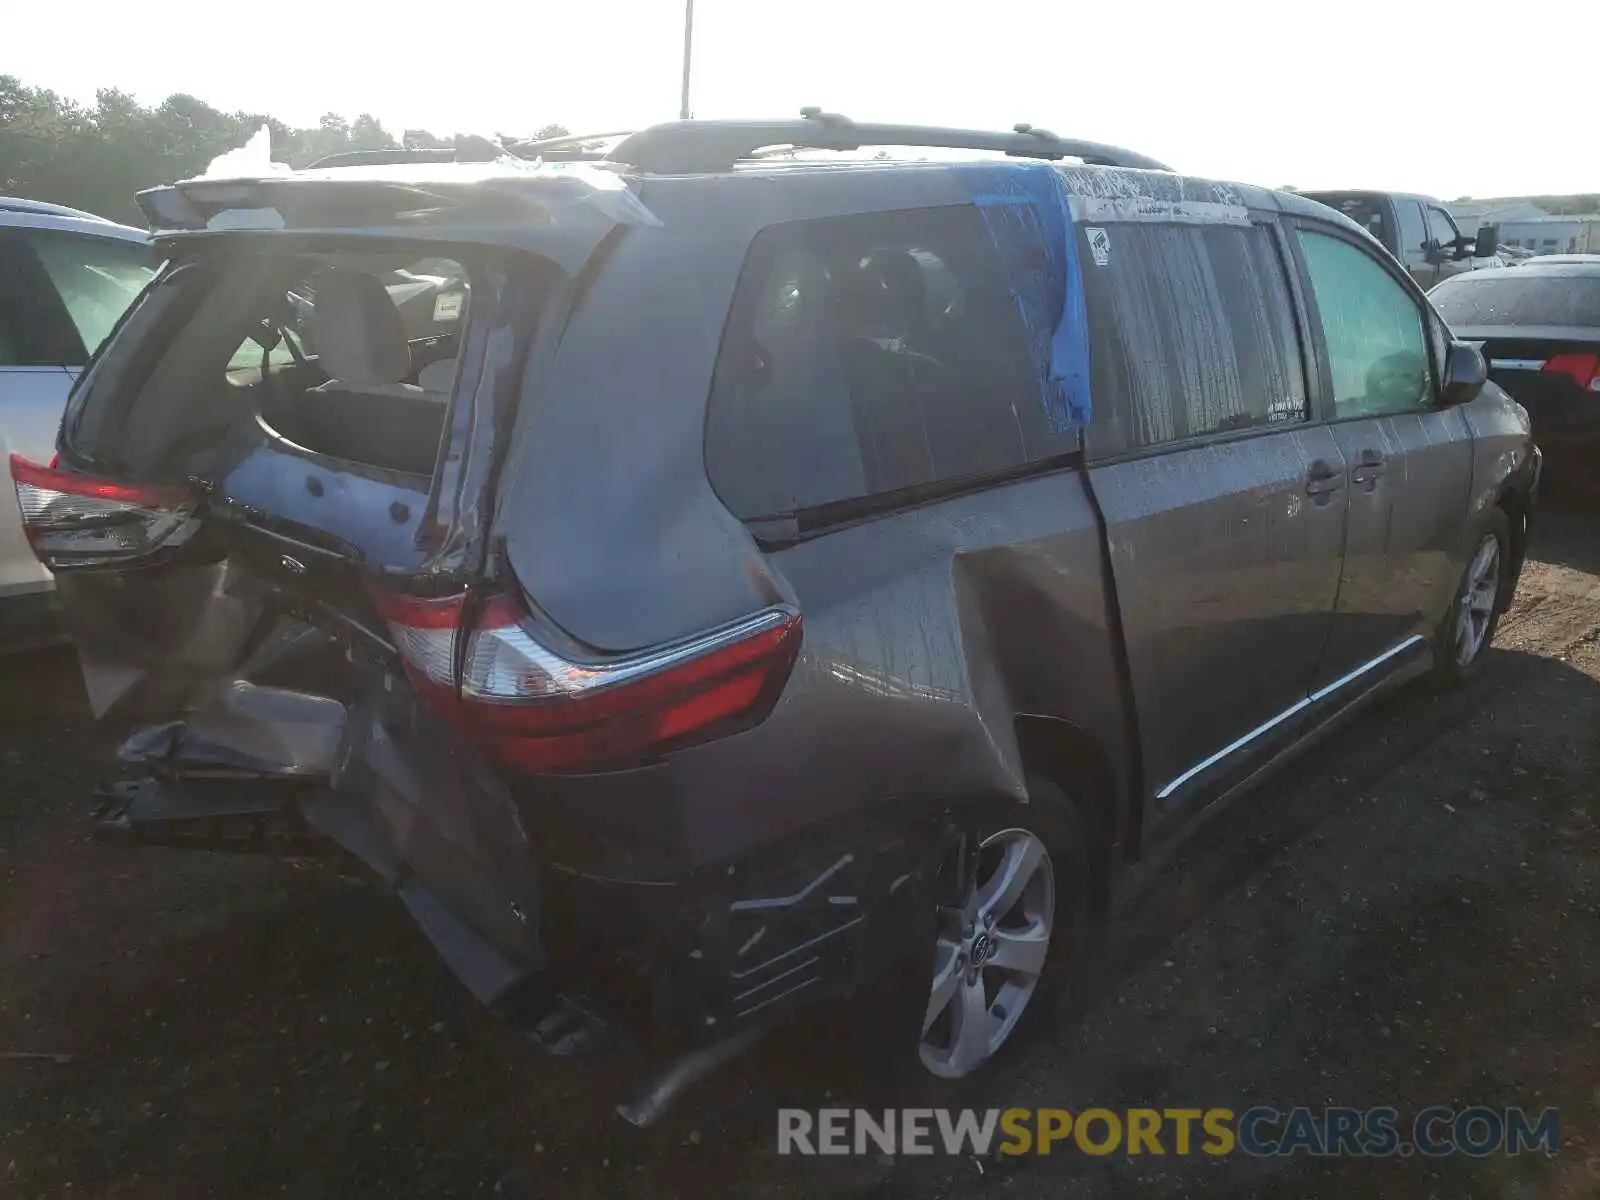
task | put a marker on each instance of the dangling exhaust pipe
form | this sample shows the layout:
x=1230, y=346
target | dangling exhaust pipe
x=655, y=1096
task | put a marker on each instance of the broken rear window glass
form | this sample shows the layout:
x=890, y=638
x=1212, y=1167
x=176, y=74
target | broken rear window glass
x=351, y=354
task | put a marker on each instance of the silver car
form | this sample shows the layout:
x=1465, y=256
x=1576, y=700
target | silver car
x=65, y=278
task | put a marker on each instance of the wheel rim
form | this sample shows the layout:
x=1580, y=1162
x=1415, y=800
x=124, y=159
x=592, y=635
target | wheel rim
x=989, y=954
x=1480, y=588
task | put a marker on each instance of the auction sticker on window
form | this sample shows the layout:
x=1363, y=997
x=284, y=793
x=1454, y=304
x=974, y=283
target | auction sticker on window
x=447, y=306
x=1099, y=244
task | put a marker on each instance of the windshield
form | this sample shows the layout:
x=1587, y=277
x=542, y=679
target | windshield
x=1519, y=297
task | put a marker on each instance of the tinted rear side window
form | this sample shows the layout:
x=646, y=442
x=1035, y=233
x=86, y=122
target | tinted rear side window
x=1192, y=333
x=1523, y=296
x=869, y=354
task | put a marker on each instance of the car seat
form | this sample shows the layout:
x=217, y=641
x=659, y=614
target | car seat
x=366, y=411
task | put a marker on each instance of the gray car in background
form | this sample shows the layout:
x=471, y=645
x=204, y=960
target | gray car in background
x=802, y=580
x=65, y=278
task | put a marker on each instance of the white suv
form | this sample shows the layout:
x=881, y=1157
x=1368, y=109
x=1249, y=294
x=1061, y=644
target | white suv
x=65, y=278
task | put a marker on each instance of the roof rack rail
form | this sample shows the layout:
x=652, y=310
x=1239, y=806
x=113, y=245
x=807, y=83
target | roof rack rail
x=468, y=148
x=569, y=139
x=383, y=158
x=692, y=147
x=569, y=147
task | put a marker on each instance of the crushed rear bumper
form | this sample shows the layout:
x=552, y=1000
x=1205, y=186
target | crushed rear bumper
x=530, y=922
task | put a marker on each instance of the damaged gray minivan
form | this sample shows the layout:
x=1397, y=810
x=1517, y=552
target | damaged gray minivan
x=704, y=584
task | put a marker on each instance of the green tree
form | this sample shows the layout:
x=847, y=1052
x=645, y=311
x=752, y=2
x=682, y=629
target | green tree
x=97, y=158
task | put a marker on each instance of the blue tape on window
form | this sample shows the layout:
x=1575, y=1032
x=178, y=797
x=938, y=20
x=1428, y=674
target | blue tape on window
x=1026, y=209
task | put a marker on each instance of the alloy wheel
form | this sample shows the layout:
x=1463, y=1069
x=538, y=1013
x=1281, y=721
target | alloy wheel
x=1480, y=589
x=990, y=952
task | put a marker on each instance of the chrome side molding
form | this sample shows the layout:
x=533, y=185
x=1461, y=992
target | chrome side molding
x=1315, y=697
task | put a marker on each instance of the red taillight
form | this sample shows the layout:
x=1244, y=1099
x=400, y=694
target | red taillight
x=79, y=521
x=536, y=710
x=1583, y=369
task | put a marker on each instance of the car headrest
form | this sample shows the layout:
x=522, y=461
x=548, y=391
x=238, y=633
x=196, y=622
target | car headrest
x=885, y=294
x=357, y=330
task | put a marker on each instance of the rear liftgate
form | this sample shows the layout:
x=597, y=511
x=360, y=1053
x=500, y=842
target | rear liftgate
x=307, y=646
x=237, y=621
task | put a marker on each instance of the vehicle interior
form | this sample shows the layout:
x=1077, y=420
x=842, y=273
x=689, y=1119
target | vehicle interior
x=360, y=362
x=350, y=355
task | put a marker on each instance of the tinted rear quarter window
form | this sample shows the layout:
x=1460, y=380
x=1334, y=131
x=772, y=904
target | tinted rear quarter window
x=1192, y=334
x=1522, y=296
x=869, y=354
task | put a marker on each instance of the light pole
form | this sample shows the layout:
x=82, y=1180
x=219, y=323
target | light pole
x=688, y=50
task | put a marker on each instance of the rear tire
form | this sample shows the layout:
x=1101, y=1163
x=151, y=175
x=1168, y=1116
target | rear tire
x=1003, y=956
x=1481, y=596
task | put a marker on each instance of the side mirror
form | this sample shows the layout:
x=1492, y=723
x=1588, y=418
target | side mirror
x=1488, y=242
x=1465, y=373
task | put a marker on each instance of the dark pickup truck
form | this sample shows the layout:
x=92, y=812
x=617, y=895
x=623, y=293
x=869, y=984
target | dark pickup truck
x=1417, y=230
x=781, y=579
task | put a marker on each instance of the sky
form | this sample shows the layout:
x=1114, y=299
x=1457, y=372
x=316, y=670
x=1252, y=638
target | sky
x=1449, y=100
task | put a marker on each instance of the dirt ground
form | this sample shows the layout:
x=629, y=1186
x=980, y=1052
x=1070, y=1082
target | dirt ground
x=1407, y=917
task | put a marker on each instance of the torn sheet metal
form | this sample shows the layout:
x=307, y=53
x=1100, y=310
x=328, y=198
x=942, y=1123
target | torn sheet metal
x=567, y=185
x=1102, y=210
x=430, y=816
x=1025, y=207
x=246, y=727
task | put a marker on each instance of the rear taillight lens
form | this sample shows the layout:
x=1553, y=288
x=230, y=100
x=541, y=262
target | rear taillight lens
x=76, y=520
x=535, y=710
x=1583, y=369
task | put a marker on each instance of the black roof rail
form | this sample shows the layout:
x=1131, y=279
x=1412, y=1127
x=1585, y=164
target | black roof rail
x=569, y=147
x=382, y=158
x=569, y=139
x=686, y=147
x=468, y=148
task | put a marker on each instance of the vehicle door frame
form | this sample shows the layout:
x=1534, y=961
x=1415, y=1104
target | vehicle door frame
x=1408, y=657
x=1448, y=265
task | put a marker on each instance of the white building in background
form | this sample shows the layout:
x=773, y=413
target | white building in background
x=1554, y=235
x=1529, y=227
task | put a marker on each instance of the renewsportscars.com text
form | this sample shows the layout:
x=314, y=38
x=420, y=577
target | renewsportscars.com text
x=1476, y=1131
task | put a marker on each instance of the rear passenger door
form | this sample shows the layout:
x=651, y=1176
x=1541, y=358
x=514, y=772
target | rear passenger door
x=1223, y=500
x=1410, y=460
